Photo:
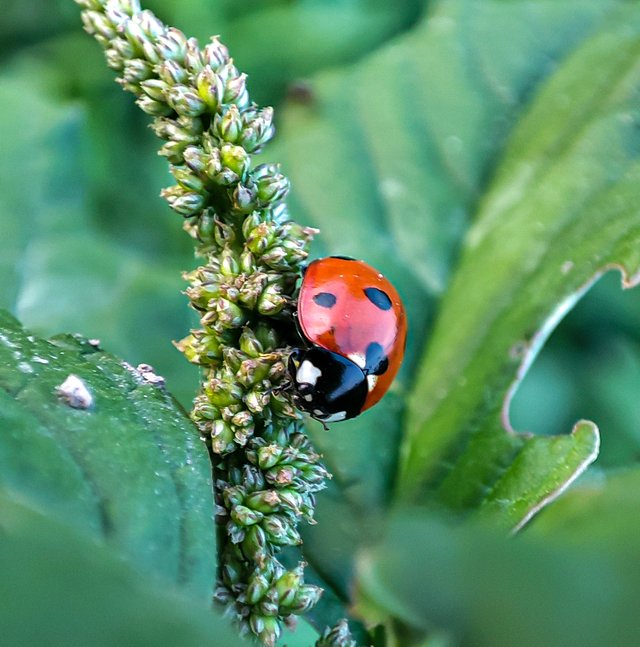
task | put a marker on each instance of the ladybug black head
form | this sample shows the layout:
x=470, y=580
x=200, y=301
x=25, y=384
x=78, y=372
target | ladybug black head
x=328, y=386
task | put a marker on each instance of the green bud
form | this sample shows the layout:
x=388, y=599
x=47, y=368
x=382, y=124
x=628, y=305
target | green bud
x=222, y=393
x=152, y=107
x=187, y=204
x=236, y=91
x=222, y=596
x=250, y=344
x=134, y=34
x=245, y=516
x=248, y=264
x=214, y=165
x=257, y=587
x=171, y=72
x=257, y=131
x=291, y=499
x=215, y=53
x=230, y=292
x=150, y=24
x=277, y=371
x=337, y=636
x=98, y=24
x=260, y=237
x=242, y=419
x=249, y=224
x=136, y=70
x=195, y=158
x=274, y=257
x=281, y=475
x=306, y=598
x=267, y=336
x=130, y=7
x=210, y=88
x=172, y=45
x=252, y=478
x=254, y=544
x=173, y=151
x=224, y=234
x=256, y=401
x=115, y=61
x=268, y=456
x=229, y=314
x=185, y=101
x=204, y=410
x=280, y=531
x=253, y=370
x=233, y=358
x=272, y=185
x=281, y=406
x=221, y=437
x=287, y=586
x=244, y=199
x=187, y=179
x=231, y=574
x=233, y=496
x=271, y=301
x=235, y=158
x=265, y=501
x=150, y=52
x=124, y=49
x=268, y=607
x=252, y=288
x=229, y=263
x=192, y=57
x=229, y=125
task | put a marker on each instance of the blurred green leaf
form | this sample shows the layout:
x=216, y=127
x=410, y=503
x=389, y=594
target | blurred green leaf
x=590, y=367
x=60, y=588
x=603, y=508
x=130, y=469
x=561, y=208
x=477, y=588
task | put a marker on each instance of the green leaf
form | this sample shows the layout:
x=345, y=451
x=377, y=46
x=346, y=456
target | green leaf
x=602, y=508
x=561, y=209
x=130, y=468
x=60, y=588
x=477, y=588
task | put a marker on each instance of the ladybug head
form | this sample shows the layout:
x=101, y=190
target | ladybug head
x=328, y=386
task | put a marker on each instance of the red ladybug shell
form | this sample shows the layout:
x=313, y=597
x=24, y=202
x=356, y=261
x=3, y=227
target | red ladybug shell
x=345, y=305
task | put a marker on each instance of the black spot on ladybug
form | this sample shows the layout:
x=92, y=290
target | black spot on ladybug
x=344, y=258
x=376, y=362
x=325, y=299
x=379, y=298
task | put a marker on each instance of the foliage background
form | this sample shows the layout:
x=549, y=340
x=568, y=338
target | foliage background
x=87, y=245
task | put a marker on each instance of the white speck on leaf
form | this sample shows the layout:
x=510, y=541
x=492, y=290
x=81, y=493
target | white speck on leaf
x=75, y=393
x=149, y=375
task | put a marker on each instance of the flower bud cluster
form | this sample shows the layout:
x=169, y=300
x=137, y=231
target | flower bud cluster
x=261, y=504
x=265, y=471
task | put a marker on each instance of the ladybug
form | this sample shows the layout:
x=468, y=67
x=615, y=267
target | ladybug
x=354, y=328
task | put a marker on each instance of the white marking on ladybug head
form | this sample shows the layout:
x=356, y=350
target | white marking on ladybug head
x=358, y=359
x=308, y=373
x=335, y=417
x=308, y=397
x=372, y=380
